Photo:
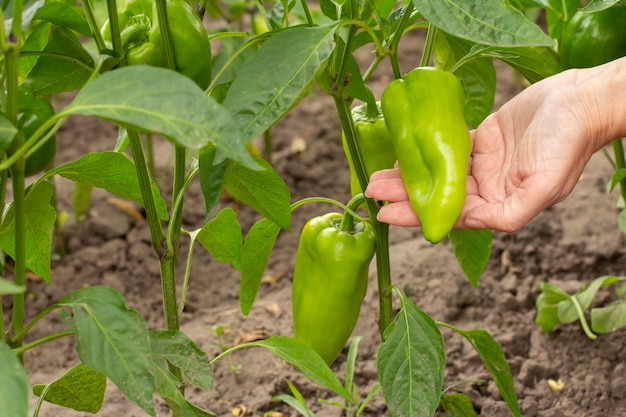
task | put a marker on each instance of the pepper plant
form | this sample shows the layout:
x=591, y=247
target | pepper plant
x=209, y=106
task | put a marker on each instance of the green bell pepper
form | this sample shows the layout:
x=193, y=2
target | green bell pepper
x=142, y=42
x=424, y=113
x=591, y=39
x=33, y=111
x=374, y=142
x=330, y=282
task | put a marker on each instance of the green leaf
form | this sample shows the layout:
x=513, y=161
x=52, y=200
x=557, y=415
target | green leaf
x=168, y=387
x=472, y=249
x=211, y=178
x=222, y=237
x=265, y=191
x=7, y=132
x=164, y=102
x=411, y=361
x=486, y=22
x=112, y=171
x=597, y=5
x=8, y=287
x=618, y=176
x=585, y=296
x=114, y=340
x=29, y=9
x=81, y=200
x=277, y=77
x=477, y=76
x=14, y=383
x=63, y=15
x=457, y=405
x=81, y=389
x=548, y=306
x=179, y=350
x=304, y=359
x=493, y=357
x=533, y=62
x=54, y=74
x=35, y=42
x=40, y=218
x=610, y=318
x=254, y=257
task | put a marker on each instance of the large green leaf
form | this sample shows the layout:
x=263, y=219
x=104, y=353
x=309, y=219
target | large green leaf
x=164, y=102
x=533, y=62
x=411, y=361
x=112, y=171
x=222, y=237
x=254, y=257
x=113, y=340
x=181, y=351
x=610, y=318
x=265, y=191
x=81, y=389
x=40, y=218
x=493, y=357
x=277, y=77
x=14, y=383
x=305, y=360
x=488, y=22
x=35, y=42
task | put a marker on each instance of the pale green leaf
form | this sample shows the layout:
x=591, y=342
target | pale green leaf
x=7, y=287
x=7, y=132
x=14, y=383
x=610, y=318
x=457, y=405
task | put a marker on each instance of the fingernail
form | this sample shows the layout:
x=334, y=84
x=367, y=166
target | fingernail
x=474, y=224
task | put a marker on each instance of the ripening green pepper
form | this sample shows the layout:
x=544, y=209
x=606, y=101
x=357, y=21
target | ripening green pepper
x=424, y=113
x=374, y=142
x=591, y=39
x=33, y=111
x=142, y=42
x=330, y=282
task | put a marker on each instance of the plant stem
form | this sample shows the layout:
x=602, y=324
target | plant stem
x=93, y=25
x=428, y=46
x=20, y=350
x=620, y=163
x=347, y=223
x=383, y=268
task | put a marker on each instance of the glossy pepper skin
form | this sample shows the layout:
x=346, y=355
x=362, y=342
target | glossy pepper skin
x=424, y=113
x=375, y=144
x=33, y=111
x=142, y=41
x=330, y=282
x=591, y=39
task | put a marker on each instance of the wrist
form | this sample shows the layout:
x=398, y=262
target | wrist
x=604, y=89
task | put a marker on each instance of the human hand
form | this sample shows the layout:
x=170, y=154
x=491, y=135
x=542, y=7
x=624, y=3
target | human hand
x=526, y=157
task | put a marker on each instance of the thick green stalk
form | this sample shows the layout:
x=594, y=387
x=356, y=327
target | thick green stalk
x=395, y=41
x=383, y=268
x=428, y=46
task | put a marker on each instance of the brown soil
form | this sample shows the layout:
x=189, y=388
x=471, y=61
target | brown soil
x=569, y=245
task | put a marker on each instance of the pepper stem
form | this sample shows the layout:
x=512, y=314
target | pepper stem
x=347, y=222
